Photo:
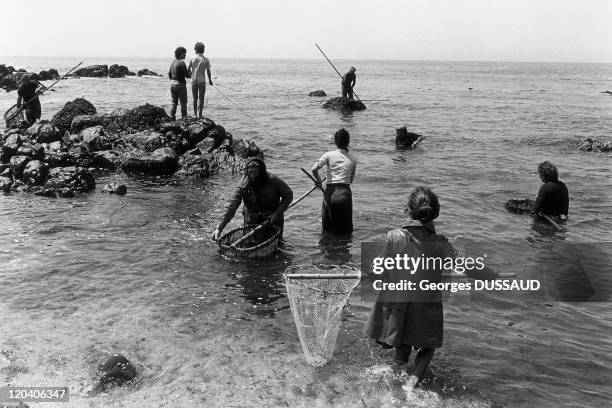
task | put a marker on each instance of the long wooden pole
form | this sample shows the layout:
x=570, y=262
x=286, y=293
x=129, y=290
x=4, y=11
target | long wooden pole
x=339, y=74
x=325, y=203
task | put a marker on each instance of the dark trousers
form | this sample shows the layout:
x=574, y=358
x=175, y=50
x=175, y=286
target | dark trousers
x=347, y=91
x=178, y=92
x=337, y=211
x=32, y=111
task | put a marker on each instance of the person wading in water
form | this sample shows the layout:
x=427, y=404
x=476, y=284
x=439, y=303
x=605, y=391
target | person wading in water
x=265, y=197
x=553, y=197
x=199, y=68
x=337, y=211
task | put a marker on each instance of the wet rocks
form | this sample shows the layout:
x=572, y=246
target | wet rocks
x=70, y=181
x=94, y=139
x=106, y=159
x=81, y=122
x=593, y=145
x=115, y=188
x=119, y=71
x=35, y=173
x=405, y=139
x=18, y=164
x=140, y=118
x=344, y=104
x=48, y=75
x=115, y=371
x=93, y=71
x=44, y=132
x=317, y=93
x=163, y=161
x=246, y=148
x=62, y=120
x=147, y=72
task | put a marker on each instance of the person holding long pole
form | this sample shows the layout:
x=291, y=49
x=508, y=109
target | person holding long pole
x=337, y=211
x=27, y=98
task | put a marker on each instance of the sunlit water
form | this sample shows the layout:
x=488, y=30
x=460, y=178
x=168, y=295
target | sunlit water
x=84, y=277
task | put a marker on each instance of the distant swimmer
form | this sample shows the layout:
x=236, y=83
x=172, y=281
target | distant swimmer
x=265, y=197
x=178, y=88
x=337, y=211
x=348, y=82
x=553, y=197
x=27, y=97
x=199, y=68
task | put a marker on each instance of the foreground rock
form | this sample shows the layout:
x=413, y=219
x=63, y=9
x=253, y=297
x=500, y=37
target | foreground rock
x=344, y=104
x=592, y=145
x=55, y=158
x=317, y=93
x=115, y=371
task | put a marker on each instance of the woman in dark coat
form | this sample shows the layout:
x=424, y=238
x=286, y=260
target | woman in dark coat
x=406, y=319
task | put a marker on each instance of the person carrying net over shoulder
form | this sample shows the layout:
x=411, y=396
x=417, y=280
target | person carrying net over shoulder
x=265, y=197
x=407, y=319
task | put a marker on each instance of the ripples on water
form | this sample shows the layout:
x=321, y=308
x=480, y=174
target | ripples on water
x=137, y=274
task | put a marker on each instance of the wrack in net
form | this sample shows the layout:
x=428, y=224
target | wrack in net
x=317, y=298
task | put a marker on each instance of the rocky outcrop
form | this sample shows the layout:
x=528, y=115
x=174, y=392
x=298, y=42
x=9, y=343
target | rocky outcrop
x=93, y=71
x=344, y=104
x=44, y=132
x=81, y=122
x=592, y=145
x=115, y=371
x=141, y=118
x=147, y=72
x=94, y=138
x=119, y=71
x=70, y=181
x=62, y=120
x=317, y=93
x=163, y=161
x=48, y=75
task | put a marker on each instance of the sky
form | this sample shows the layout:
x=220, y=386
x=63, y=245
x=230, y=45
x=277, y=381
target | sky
x=465, y=30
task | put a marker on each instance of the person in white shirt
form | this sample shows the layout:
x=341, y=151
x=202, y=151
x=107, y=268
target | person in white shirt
x=337, y=211
x=199, y=68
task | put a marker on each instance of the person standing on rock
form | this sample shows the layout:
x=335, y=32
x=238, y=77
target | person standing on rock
x=265, y=197
x=178, y=89
x=27, y=97
x=337, y=211
x=199, y=68
x=348, y=82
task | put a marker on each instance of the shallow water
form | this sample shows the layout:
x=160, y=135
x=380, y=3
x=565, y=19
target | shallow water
x=84, y=277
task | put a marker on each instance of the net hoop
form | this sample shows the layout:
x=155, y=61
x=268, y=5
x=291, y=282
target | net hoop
x=267, y=239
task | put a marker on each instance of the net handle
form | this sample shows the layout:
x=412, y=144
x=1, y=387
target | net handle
x=322, y=276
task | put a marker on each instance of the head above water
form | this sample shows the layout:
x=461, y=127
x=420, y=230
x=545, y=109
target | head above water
x=353, y=69
x=199, y=48
x=423, y=205
x=342, y=139
x=548, y=172
x=180, y=53
x=256, y=171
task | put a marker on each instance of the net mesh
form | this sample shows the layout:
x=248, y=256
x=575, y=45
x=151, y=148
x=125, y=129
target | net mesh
x=13, y=116
x=317, y=304
x=260, y=244
x=520, y=206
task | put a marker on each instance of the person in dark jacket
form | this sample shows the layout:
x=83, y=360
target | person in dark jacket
x=414, y=319
x=265, y=197
x=553, y=197
x=348, y=82
x=27, y=96
x=178, y=89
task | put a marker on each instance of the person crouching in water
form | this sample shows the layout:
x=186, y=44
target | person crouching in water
x=553, y=197
x=265, y=197
x=178, y=88
x=27, y=96
x=337, y=211
x=414, y=319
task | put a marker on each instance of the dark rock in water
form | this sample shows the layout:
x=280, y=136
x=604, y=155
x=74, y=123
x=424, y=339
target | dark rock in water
x=95, y=71
x=4, y=70
x=592, y=145
x=48, y=75
x=147, y=72
x=84, y=121
x=44, y=132
x=246, y=148
x=194, y=165
x=6, y=183
x=344, y=104
x=199, y=131
x=405, y=139
x=35, y=173
x=106, y=159
x=146, y=140
x=10, y=147
x=161, y=162
x=18, y=164
x=607, y=92
x=141, y=118
x=119, y=71
x=63, y=119
x=94, y=138
x=520, y=206
x=114, y=372
x=317, y=93
x=70, y=181
x=115, y=188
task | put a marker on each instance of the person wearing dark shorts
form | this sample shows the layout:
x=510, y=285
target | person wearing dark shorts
x=337, y=211
x=178, y=89
x=199, y=68
x=27, y=97
x=553, y=197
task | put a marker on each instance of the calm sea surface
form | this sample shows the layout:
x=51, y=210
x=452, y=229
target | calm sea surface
x=84, y=277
